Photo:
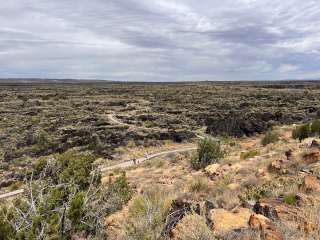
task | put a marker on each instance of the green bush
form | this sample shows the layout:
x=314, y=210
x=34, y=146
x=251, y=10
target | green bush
x=315, y=128
x=76, y=168
x=301, y=132
x=63, y=198
x=6, y=231
x=69, y=167
x=43, y=141
x=76, y=209
x=209, y=151
x=270, y=137
x=119, y=193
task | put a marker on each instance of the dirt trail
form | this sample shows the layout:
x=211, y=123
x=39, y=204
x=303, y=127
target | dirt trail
x=11, y=194
x=148, y=157
x=115, y=120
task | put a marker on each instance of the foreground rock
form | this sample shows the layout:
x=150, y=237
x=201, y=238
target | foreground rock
x=311, y=156
x=267, y=229
x=311, y=183
x=291, y=215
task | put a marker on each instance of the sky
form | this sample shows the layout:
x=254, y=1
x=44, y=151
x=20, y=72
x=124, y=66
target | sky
x=160, y=40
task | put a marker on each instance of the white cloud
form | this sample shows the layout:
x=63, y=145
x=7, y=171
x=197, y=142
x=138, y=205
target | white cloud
x=285, y=68
x=160, y=39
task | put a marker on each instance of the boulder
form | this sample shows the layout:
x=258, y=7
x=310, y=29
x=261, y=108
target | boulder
x=267, y=229
x=276, y=209
x=311, y=183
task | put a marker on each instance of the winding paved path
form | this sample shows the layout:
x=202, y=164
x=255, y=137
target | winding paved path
x=148, y=157
x=11, y=194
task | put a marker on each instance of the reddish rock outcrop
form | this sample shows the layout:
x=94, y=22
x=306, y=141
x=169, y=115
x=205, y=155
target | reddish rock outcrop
x=311, y=183
x=267, y=229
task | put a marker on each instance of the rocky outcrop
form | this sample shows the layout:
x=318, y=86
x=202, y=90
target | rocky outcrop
x=179, y=208
x=311, y=156
x=311, y=183
x=267, y=229
x=294, y=215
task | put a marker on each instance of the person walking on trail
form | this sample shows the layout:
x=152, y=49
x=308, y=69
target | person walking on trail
x=134, y=161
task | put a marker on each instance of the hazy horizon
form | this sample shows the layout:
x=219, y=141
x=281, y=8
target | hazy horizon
x=161, y=40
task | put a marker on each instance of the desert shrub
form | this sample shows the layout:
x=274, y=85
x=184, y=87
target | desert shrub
x=63, y=198
x=307, y=130
x=68, y=167
x=39, y=164
x=76, y=168
x=315, y=128
x=249, y=154
x=194, y=227
x=147, y=215
x=118, y=193
x=301, y=132
x=76, y=208
x=42, y=140
x=199, y=184
x=270, y=137
x=209, y=151
x=6, y=230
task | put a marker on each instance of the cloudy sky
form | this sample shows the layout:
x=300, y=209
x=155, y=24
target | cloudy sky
x=160, y=40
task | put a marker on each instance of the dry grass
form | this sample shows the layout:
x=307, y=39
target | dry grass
x=147, y=214
x=199, y=184
x=193, y=227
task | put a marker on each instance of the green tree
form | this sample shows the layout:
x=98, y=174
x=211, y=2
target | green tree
x=315, y=127
x=301, y=132
x=209, y=151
